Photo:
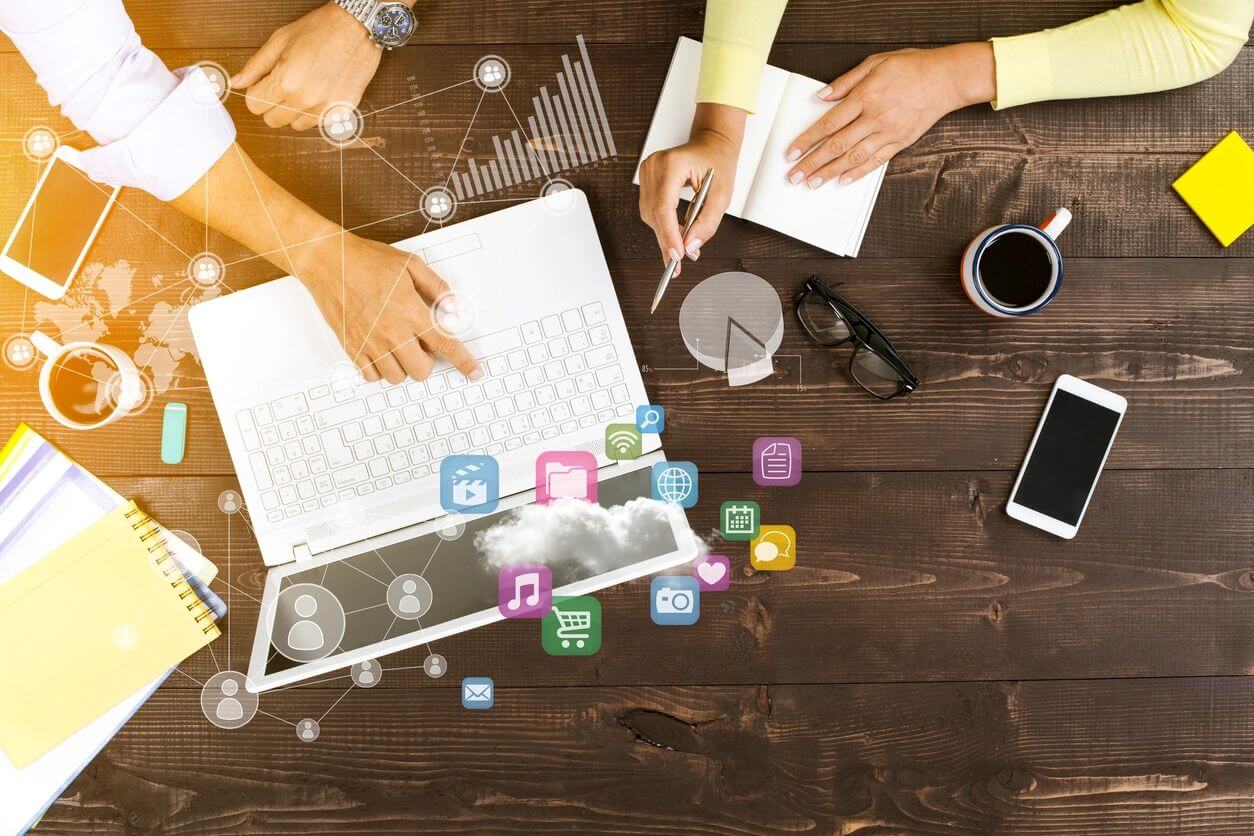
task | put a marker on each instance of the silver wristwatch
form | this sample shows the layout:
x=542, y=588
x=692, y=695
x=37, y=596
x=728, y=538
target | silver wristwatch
x=389, y=24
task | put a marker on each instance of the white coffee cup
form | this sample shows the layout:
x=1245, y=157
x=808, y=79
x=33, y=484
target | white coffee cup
x=119, y=393
x=1045, y=235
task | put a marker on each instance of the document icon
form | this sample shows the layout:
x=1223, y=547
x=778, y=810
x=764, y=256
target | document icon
x=776, y=461
x=477, y=692
x=571, y=473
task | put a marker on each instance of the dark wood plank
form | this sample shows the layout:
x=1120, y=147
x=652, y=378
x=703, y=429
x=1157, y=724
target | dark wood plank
x=1174, y=336
x=899, y=576
x=1088, y=757
x=613, y=21
x=974, y=169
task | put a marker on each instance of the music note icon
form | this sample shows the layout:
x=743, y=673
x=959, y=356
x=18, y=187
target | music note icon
x=525, y=591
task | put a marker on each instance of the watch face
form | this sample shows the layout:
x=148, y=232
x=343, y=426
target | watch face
x=392, y=25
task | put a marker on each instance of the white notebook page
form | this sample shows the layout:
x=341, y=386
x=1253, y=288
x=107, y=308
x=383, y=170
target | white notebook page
x=832, y=216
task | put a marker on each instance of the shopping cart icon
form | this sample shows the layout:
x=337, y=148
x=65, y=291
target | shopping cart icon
x=572, y=627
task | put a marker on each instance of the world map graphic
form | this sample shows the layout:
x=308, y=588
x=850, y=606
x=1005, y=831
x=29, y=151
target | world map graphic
x=144, y=316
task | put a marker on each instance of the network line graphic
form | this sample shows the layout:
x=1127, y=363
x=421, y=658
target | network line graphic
x=565, y=131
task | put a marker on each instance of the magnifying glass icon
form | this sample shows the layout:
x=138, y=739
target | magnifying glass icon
x=650, y=418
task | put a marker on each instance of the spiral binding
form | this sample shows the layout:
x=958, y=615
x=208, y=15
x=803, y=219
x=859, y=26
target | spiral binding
x=164, y=561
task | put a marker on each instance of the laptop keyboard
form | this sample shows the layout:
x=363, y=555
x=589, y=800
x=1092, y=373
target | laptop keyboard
x=542, y=380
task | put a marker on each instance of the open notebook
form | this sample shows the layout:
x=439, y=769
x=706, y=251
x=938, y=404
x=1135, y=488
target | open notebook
x=832, y=217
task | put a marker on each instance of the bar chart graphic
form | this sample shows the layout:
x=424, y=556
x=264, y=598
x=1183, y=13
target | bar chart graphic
x=567, y=129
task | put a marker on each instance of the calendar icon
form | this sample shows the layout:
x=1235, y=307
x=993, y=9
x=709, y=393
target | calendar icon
x=740, y=520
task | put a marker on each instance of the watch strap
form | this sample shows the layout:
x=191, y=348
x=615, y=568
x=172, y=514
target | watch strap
x=360, y=9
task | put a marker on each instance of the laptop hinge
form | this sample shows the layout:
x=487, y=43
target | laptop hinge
x=301, y=553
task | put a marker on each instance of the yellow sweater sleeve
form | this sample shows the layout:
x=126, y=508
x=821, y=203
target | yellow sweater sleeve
x=1139, y=48
x=737, y=40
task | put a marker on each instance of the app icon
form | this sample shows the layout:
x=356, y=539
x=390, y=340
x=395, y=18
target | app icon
x=566, y=473
x=469, y=484
x=623, y=442
x=739, y=519
x=572, y=627
x=776, y=461
x=674, y=600
x=713, y=572
x=676, y=483
x=478, y=692
x=524, y=591
x=774, y=549
x=650, y=418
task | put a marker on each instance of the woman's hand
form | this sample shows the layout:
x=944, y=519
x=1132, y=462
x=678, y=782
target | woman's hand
x=380, y=306
x=321, y=59
x=888, y=102
x=717, y=131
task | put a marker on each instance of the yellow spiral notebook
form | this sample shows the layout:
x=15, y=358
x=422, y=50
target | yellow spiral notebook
x=88, y=626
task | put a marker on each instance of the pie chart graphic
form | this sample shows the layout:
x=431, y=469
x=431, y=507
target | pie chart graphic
x=733, y=323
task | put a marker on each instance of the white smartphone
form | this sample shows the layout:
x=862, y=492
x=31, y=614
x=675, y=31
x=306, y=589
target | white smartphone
x=1068, y=451
x=56, y=228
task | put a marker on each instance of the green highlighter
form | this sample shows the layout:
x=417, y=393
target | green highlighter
x=173, y=432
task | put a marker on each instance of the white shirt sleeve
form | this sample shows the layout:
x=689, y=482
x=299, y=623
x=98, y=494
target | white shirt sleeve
x=158, y=131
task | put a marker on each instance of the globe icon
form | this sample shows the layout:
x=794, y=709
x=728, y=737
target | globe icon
x=674, y=484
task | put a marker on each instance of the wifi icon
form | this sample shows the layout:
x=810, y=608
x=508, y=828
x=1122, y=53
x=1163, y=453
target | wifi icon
x=622, y=442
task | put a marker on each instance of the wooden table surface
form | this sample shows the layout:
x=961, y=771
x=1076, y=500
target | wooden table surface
x=929, y=665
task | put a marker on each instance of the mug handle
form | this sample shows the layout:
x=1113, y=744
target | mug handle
x=1056, y=223
x=47, y=346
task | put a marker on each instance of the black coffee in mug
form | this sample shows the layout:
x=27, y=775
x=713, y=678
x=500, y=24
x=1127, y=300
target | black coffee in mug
x=81, y=385
x=1016, y=269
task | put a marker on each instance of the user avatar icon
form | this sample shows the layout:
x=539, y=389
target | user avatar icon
x=19, y=352
x=226, y=702
x=438, y=204
x=367, y=674
x=340, y=124
x=307, y=622
x=228, y=502
x=491, y=73
x=206, y=269
x=307, y=730
x=39, y=143
x=409, y=596
x=435, y=666
x=454, y=314
x=305, y=634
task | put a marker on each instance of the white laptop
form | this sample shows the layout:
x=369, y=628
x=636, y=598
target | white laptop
x=336, y=472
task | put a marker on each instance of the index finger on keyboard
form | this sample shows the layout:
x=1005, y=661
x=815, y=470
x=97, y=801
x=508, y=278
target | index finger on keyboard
x=456, y=353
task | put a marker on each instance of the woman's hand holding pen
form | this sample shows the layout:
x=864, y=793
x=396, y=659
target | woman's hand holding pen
x=717, y=131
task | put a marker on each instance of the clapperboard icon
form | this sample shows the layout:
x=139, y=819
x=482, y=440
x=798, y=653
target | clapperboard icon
x=467, y=489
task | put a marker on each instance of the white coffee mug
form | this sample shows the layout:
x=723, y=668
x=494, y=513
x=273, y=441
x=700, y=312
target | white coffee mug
x=121, y=392
x=1046, y=235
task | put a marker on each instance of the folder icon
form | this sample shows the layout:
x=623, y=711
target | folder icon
x=566, y=480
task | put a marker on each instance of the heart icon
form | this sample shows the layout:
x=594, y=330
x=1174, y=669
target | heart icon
x=711, y=573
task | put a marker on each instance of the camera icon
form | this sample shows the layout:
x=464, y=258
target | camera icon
x=675, y=600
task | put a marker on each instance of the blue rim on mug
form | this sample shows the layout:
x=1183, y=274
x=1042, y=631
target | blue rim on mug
x=977, y=282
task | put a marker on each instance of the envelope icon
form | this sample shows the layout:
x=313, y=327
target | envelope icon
x=567, y=480
x=477, y=692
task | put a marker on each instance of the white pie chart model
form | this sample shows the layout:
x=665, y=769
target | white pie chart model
x=733, y=322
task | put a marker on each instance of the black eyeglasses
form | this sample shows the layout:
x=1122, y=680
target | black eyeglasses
x=830, y=320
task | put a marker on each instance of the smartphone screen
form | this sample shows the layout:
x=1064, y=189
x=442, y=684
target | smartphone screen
x=59, y=225
x=1067, y=457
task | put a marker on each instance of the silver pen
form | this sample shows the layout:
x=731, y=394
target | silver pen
x=690, y=218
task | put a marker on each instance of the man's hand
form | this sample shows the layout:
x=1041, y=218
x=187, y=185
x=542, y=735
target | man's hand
x=380, y=305
x=324, y=58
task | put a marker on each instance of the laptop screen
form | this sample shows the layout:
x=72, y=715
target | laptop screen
x=456, y=581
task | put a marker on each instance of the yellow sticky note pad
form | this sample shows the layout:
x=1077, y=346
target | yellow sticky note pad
x=1220, y=188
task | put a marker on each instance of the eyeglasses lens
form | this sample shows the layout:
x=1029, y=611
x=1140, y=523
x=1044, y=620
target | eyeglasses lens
x=875, y=373
x=823, y=323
